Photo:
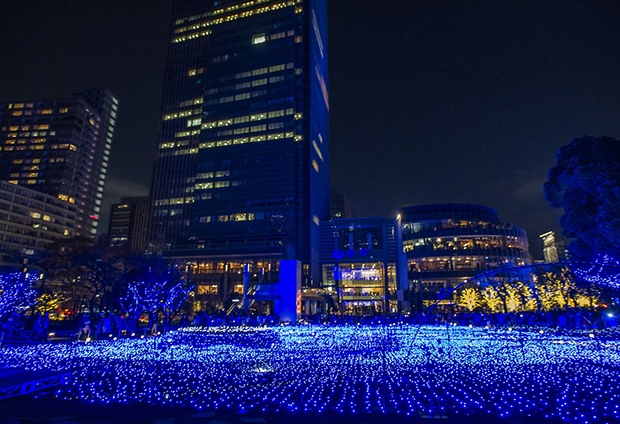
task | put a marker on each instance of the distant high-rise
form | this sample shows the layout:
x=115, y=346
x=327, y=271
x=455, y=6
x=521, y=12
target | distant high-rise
x=60, y=148
x=129, y=222
x=242, y=171
x=554, y=248
x=340, y=206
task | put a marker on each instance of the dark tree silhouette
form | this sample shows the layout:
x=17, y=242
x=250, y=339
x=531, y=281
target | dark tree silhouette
x=87, y=272
x=586, y=183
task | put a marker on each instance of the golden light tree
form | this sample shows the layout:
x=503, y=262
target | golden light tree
x=513, y=299
x=529, y=301
x=558, y=290
x=469, y=298
x=520, y=297
x=491, y=299
x=49, y=302
x=585, y=301
x=544, y=296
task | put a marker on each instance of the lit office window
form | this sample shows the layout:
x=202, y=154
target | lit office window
x=259, y=39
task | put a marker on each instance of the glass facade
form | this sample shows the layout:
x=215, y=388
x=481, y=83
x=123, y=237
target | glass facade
x=217, y=279
x=243, y=164
x=363, y=265
x=447, y=244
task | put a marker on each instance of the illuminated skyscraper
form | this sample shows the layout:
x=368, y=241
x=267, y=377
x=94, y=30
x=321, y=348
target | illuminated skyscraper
x=242, y=171
x=61, y=148
x=554, y=248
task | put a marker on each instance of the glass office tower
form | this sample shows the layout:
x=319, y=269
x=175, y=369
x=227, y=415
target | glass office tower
x=242, y=172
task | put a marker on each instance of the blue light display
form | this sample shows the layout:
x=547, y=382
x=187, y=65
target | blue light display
x=605, y=271
x=351, y=253
x=338, y=254
x=153, y=295
x=16, y=291
x=534, y=374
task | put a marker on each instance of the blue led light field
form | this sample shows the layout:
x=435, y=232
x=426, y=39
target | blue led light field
x=356, y=368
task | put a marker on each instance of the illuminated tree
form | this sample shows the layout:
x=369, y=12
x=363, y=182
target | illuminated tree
x=469, y=298
x=16, y=292
x=49, y=302
x=520, y=297
x=513, y=299
x=583, y=301
x=160, y=287
x=546, y=298
x=529, y=301
x=586, y=183
x=557, y=289
x=153, y=296
x=491, y=299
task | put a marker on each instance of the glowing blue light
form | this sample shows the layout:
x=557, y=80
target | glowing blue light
x=154, y=294
x=427, y=370
x=16, y=292
x=605, y=271
x=338, y=254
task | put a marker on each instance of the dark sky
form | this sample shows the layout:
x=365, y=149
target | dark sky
x=431, y=100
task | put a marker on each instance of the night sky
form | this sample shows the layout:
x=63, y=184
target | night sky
x=431, y=100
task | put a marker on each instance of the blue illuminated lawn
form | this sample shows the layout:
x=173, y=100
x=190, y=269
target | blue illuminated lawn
x=407, y=369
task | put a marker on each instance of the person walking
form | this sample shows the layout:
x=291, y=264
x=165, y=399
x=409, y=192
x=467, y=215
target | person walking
x=37, y=329
x=45, y=323
x=107, y=325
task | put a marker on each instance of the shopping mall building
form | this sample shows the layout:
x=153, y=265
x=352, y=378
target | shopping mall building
x=446, y=244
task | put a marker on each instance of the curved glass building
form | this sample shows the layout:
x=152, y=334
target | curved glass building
x=448, y=243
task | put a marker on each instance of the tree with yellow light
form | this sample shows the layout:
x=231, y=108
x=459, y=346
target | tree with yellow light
x=469, y=298
x=491, y=299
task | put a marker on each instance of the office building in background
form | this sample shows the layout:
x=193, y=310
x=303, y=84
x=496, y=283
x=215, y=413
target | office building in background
x=30, y=221
x=242, y=168
x=60, y=148
x=554, y=248
x=129, y=223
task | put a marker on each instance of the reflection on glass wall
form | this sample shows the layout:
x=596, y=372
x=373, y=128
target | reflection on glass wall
x=360, y=282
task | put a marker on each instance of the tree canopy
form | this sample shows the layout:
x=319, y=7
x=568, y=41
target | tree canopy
x=586, y=183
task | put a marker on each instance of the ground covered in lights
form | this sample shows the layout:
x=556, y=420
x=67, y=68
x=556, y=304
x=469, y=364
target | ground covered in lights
x=427, y=370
